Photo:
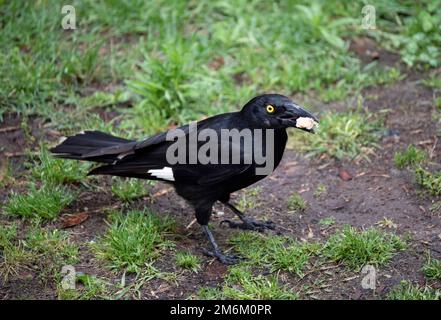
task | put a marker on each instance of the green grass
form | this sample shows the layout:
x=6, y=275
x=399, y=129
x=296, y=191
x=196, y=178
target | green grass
x=358, y=248
x=248, y=199
x=433, y=81
x=431, y=182
x=13, y=256
x=349, y=134
x=133, y=240
x=86, y=287
x=419, y=41
x=187, y=261
x=39, y=203
x=432, y=268
x=412, y=156
x=241, y=284
x=128, y=189
x=435, y=208
x=50, y=170
x=6, y=173
x=328, y=221
x=274, y=252
x=282, y=47
x=52, y=249
x=45, y=250
x=296, y=203
x=408, y=291
x=320, y=190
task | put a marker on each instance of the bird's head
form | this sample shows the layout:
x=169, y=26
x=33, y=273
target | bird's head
x=274, y=111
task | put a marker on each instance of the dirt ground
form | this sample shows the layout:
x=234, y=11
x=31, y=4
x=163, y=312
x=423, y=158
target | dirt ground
x=376, y=190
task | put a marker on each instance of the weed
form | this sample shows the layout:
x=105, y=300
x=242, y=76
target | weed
x=86, y=287
x=412, y=156
x=407, y=291
x=241, y=284
x=429, y=181
x=13, y=256
x=50, y=170
x=343, y=135
x=433, y=81
x=52, y=249
x=296, y=203
x=358, y=248
x=46, y=202
x=432, y=268
x=328, y=221
x=320, y=190
x=387, y=223
x=249, y=199
x=275, y=252
x=133, y=240
x=435, y=208
x=128, y=189
x=419, y=40
x=187, y=261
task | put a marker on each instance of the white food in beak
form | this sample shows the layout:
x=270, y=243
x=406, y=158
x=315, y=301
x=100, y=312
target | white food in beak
x=305, y=123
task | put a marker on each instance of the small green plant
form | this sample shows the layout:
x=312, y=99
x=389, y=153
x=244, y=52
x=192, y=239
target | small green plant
x=432, y=268
x=86, y=287
x=296, y=202
x=241, y=284
x=6, y=172
x=288, y=255
x=13, y=255
x=128, y=189
x=52, y=249
x=410, y=157
x=320, y=190
x=50, y=170
x=437, y=103
x=249, y=199
x=47, y=250
x=407, y=291
x=358, y=248
x=274, y=252
x=435, y=208
x=429, y=181
x=187, y=261
x=347, y=134
x=328, y=221
x=46, y=202
x=418, y=40
x=133, y=240
x=433, y=81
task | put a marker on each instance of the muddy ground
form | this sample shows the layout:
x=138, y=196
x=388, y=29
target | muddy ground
x=376, y=191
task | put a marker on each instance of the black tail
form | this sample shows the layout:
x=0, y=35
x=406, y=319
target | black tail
x=93, y=146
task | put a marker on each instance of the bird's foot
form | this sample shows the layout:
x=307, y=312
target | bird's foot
x=250, y=224
x=223, y=258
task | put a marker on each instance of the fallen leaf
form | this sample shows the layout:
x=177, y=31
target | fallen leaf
x=217, y=63
x=344, y=175
x=71, y=220
x=161, y=192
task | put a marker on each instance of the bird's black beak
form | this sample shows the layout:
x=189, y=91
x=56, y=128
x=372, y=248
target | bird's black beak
x=297, y=117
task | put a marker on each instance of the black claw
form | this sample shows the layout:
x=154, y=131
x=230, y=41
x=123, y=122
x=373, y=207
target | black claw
x=223, y=258
x=250, y=224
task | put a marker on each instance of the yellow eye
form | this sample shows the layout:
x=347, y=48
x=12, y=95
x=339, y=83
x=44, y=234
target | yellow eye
x=270, y=109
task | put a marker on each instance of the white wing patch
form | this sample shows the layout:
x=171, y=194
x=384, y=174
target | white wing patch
x=165, y=173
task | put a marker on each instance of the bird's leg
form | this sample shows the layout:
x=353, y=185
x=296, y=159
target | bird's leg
x=247, y=222
x=217, y=253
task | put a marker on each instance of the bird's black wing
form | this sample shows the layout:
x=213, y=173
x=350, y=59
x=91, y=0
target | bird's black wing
x=147, y=159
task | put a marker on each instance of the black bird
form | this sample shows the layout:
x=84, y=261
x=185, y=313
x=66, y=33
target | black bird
x=200, y=184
